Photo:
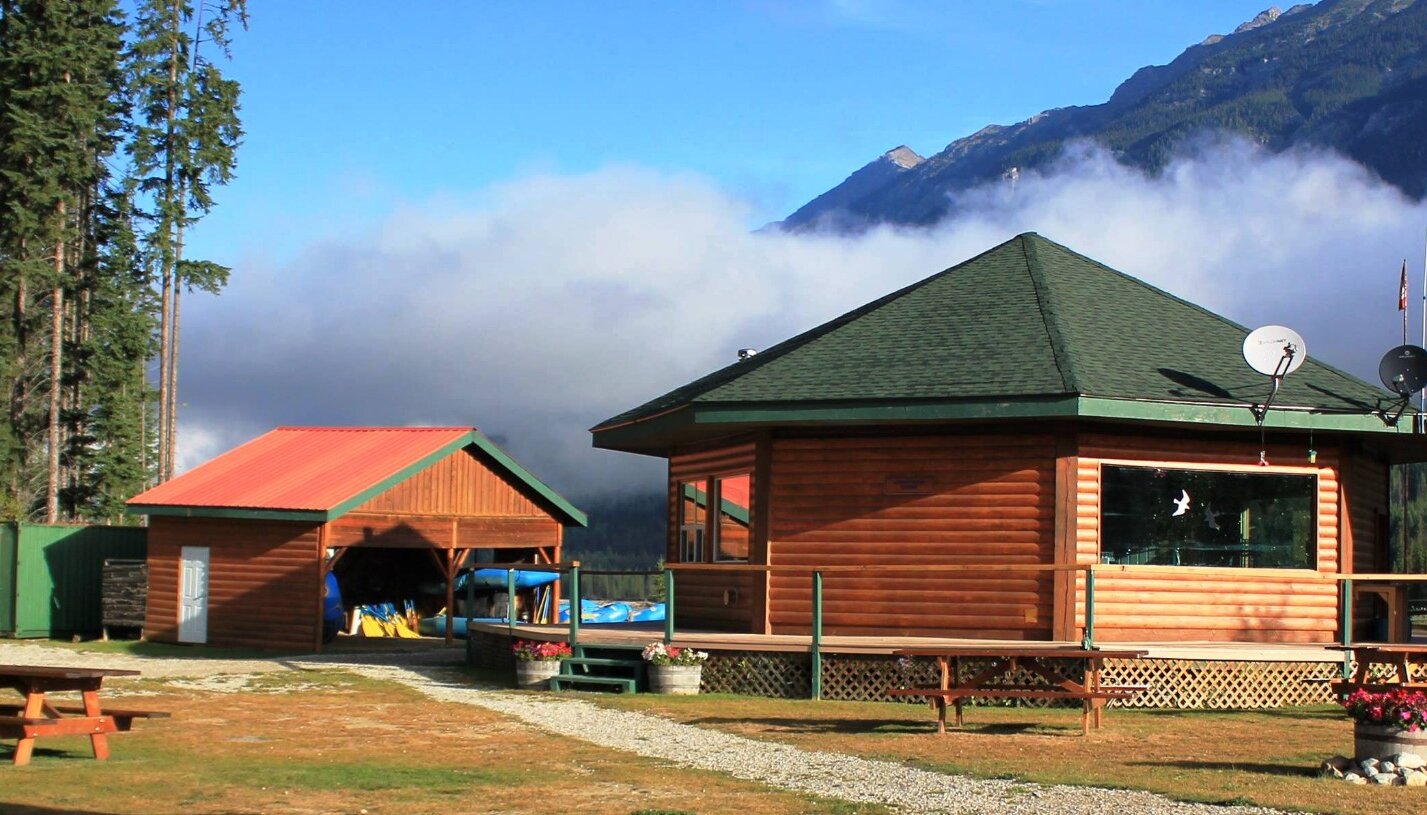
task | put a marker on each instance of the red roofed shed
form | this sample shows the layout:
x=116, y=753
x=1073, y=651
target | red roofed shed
x=240, y=547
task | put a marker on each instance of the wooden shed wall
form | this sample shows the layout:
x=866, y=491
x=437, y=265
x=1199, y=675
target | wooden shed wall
x=913, y=500
x=461, y=501
x=461, y=484
x=263, y=581
x=723, y=601
x=1179, y=604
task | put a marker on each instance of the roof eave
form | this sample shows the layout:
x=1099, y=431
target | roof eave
x=656, y=435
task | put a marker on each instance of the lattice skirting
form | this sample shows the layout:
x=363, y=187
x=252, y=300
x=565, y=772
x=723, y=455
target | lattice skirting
x=1173, y=683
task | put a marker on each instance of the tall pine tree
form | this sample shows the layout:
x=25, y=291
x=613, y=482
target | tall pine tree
x=186, y=138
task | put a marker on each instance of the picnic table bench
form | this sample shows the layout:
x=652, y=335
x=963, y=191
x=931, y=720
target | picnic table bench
x=36, y=716
x=997, y=680
x=1398, y=658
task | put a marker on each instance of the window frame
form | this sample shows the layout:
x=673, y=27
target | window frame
x=1315, y=472
x=706, y=534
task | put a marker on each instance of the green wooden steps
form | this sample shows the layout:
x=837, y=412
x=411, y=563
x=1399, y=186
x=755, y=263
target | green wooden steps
x=621, y=675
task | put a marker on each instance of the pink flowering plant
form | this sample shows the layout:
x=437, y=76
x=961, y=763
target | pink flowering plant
x=1402, y=709
x=531, y=651
x=658, y=653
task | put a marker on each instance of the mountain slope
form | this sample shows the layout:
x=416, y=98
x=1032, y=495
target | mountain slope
x=1345, y=74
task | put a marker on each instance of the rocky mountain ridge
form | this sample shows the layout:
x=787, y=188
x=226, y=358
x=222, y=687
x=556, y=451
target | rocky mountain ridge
x=1350, y=75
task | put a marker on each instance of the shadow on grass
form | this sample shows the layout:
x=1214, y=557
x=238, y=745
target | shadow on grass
x=853, y=726
x=1283, y=770
x=1316, y=713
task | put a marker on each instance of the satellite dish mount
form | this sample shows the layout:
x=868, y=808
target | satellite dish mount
x=1274, y=351
x=1404, y=371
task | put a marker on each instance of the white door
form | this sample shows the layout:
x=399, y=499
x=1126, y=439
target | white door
x=193, y=595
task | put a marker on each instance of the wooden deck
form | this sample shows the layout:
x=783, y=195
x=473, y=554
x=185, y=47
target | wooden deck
x=639, y=634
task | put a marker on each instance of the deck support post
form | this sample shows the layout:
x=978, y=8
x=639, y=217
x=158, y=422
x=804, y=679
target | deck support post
x=817, y=651
x=575, y=606
x=668, y=605
x=1347, y=623
x=470, y=609
x=510, y=598
x=1089, y=641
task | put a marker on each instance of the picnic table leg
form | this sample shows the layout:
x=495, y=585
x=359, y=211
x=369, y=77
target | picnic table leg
x=97, y=741
x=34, y=709
x=941, y=714
x=959, y=703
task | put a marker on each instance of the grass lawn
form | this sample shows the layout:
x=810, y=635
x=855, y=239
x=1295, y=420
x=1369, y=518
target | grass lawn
x=330, y=742
x=1269, y=758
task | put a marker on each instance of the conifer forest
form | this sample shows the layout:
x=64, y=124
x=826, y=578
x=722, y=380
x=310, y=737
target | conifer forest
x=117, y=125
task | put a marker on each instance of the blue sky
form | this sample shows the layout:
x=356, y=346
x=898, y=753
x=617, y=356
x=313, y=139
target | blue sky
x=354, y=109
x=531, y=217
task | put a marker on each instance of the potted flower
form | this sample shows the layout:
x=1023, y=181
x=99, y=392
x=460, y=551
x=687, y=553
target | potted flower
x=673, y=669
x=537, y=662
x=1388, y=722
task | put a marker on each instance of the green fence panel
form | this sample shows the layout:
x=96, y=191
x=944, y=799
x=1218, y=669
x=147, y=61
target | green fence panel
x=7, y=579
x=58, y=572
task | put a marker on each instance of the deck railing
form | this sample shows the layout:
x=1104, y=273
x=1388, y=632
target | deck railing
x=816, y=573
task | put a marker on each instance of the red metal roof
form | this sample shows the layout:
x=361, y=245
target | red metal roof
x=303, y=468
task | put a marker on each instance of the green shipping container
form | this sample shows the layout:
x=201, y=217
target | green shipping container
x=50, y=575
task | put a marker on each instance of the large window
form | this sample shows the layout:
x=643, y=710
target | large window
x=722, y=532
x=1164, y=516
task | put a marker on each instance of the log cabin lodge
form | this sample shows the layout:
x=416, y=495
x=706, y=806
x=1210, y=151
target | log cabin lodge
x=1032, y=407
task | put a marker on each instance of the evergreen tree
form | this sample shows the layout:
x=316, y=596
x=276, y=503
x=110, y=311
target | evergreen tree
x=58, y=123
x=186, y=137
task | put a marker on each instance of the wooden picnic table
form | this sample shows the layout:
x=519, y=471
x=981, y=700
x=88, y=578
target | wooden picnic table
x=38, y=716
x=1000, y=678
x=1398, y=658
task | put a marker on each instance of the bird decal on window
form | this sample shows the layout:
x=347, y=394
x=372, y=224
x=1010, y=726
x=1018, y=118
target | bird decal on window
x=1181, y=504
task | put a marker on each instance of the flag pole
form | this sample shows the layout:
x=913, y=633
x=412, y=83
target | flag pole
x=1422, y=399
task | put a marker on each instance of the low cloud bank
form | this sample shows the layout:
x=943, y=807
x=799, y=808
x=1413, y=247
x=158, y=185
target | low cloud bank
x=554, y=302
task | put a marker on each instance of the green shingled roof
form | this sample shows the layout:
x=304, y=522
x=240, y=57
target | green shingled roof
x=1029, y=328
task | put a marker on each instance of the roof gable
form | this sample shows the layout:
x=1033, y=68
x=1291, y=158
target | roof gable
x=1026, y=328
x=321, y=473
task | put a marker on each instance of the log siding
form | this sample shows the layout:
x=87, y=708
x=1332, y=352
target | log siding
x=914, y=500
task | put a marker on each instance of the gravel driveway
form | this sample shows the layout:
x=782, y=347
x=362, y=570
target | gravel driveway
x=820, y=773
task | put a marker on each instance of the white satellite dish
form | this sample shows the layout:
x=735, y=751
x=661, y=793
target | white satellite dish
x=1274, y=350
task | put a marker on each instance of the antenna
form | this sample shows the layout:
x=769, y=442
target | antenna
x=1404, y=371
x=1274, y=351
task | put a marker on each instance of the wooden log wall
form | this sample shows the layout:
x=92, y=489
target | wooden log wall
x=1177, y=604
x=721, y=601
x=461, y=501
x=461, y=484
x=930, y=499
x=263, y=579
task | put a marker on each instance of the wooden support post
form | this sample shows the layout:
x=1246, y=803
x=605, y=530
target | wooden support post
x=1347, y=632
x=668, y=605
x=575, y=606
x=450, y=569
x=510, y=598
x=1089, y=641
x=817, y=653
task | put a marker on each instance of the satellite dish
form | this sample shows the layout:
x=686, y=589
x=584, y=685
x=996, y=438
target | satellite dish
x=1274, y=350
x=1404, y=370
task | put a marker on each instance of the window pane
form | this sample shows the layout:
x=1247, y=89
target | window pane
x=1203, y=518
x=733, y=517
x=692, y=501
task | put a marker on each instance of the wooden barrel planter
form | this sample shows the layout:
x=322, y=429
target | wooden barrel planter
x=536, y=674
x=677, y=679
x=1377, y=741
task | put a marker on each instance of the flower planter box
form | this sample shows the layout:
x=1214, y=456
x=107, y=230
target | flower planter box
x=536, y=674
x=1377, y=741
x=678, y=679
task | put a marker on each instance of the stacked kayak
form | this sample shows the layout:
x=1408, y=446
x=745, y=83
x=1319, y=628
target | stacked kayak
x=600, y=611
x=487, y=579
